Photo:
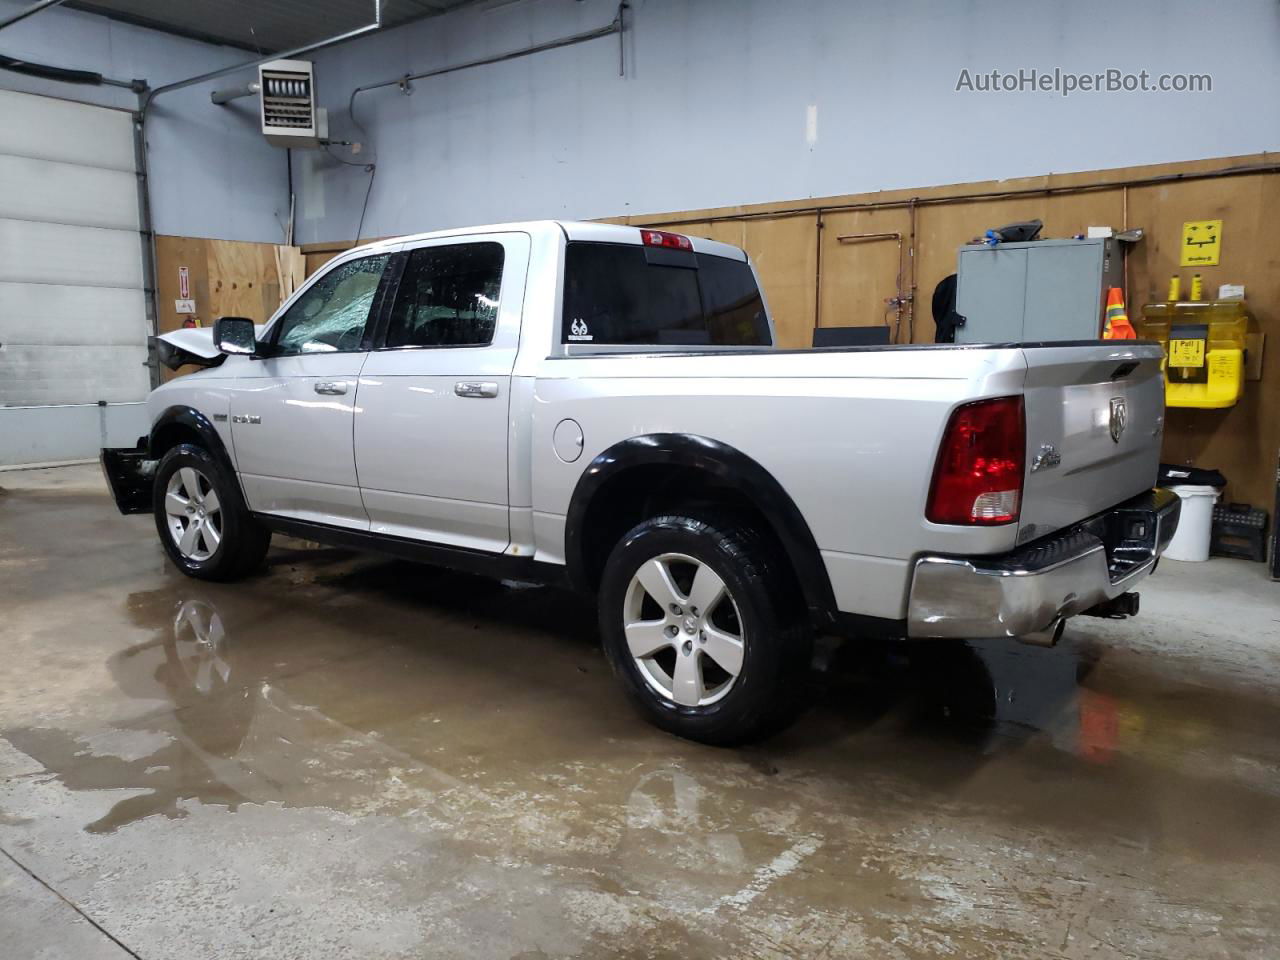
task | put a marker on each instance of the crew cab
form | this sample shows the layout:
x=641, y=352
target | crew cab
x=603, y=407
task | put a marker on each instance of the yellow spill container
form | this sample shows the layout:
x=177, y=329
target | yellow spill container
x=1204, y=349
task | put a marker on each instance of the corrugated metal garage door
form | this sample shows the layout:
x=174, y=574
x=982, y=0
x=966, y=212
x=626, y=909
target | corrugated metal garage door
x=73, y=327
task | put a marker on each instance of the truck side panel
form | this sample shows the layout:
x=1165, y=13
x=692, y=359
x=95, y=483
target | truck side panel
x=849, y=436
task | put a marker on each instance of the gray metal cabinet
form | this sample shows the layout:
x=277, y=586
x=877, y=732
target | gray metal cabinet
x=1036, y=291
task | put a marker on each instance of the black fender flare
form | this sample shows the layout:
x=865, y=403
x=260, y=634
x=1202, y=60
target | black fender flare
x=191, y=419
x=726, y=464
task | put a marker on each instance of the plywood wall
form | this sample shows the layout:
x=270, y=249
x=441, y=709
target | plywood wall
x=227, y=279
x=316, y=255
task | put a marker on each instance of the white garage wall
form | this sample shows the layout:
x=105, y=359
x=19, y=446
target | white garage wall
x=212, y=173
x=715, y=107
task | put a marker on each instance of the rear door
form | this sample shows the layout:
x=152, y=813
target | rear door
x=292, y=411
x=1095, y=418
x=431, y=440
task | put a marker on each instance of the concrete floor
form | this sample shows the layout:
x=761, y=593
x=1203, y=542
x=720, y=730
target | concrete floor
x=352, y=757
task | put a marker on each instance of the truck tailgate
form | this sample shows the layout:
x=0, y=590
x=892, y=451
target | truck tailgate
x=1095, y=418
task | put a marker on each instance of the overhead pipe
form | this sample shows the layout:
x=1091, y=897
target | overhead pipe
x=616, y=26
x=284, y=55
x=897, y=299
x=222, y=97
x=28, y=11
x=405, y=81
x=61, y=74
x=45, y=71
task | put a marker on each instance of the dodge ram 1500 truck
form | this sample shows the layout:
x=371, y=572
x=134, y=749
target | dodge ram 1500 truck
x=603, y=406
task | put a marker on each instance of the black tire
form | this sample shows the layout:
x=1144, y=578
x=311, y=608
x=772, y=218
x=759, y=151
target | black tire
x=243, y=541
x=777, y=643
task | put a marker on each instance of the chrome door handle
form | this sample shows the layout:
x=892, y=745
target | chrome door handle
x=475, y=388
x=331, y=388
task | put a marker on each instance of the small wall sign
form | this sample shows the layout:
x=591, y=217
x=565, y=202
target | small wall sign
x=1201, y=243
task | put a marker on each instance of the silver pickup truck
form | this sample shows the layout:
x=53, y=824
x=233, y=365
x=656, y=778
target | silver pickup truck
x=602, y=407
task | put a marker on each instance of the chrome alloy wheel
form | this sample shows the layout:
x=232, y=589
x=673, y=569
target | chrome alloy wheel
x=683, y=630
x=194, y=514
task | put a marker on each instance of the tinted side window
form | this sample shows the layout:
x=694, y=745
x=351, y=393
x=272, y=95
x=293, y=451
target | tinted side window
x=735, y=309
x=448, y=296
x=330, y=315
x=616, y=294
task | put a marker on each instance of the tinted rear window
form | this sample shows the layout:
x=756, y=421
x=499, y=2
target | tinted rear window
x=626, y=294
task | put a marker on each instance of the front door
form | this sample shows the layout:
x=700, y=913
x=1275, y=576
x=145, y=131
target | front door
x=293, y=410
x=432, y=435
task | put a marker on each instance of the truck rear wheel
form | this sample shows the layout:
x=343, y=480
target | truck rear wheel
x=203, y=522
x=704, y=629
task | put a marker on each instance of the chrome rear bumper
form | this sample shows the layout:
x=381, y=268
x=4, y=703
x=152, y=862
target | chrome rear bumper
x=1030, y=590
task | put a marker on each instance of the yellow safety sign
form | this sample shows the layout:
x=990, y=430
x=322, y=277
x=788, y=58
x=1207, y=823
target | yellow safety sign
x=1201, y=243
x=1186, y=353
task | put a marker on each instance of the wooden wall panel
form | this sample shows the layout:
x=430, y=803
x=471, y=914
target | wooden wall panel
x=725, y=231
x=227, y=278
x=172, y=253
x=859, y=276
x=785, y=252
x=291, y=268
x=243, y=281
x=1242, y=441
x=314, y=260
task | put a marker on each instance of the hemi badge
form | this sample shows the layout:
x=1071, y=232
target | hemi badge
x=220, y=417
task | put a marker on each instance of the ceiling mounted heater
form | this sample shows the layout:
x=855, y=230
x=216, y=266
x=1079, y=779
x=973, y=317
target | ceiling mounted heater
x=290, y=117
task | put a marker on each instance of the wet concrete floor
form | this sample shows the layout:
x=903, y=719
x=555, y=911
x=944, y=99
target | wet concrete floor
x=347, y=756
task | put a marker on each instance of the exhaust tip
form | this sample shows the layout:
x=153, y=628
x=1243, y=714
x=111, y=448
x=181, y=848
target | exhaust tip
x=1047, y=637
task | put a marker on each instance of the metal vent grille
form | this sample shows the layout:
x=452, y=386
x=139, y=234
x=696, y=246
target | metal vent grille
x=290, y=117
x=287, y=101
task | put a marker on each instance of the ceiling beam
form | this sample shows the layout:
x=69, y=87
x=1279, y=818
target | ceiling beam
x=26, y=12
x=149, y=23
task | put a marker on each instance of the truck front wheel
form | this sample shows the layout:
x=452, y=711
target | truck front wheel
x=203, y=522
x=704, y=629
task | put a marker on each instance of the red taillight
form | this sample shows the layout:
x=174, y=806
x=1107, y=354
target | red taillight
x=978, y=476
x=660, y=238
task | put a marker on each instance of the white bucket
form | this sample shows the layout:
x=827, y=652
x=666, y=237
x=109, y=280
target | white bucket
x=1191, y=542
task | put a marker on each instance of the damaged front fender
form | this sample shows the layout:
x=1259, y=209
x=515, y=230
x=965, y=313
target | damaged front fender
x=190, y=346
x=129, y=476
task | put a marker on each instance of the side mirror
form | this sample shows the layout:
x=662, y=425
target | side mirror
x=234, y=335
